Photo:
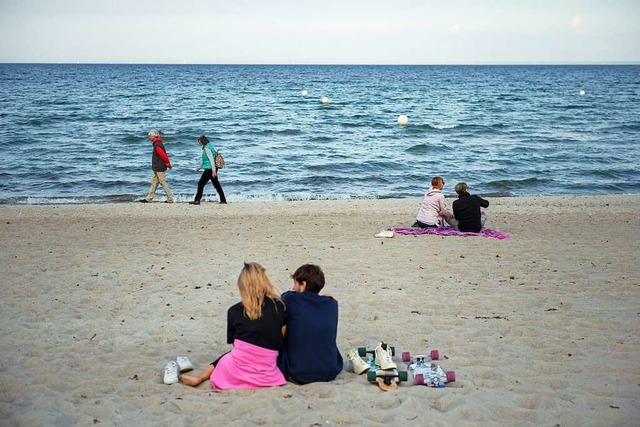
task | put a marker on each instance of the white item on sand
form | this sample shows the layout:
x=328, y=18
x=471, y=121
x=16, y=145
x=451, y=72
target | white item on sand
x=385, y=233
x=383, y=357
x=171, y=373
x=184, y=364
x=359, y=365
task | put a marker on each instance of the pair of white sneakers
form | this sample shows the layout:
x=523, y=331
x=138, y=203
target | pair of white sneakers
x=382, y=359
x=174, y=368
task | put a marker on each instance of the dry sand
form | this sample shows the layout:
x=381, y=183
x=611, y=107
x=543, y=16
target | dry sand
x=541, y=328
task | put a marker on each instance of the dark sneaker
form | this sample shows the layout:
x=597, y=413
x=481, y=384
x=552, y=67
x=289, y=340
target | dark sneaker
x=195, y=202
x=144, y=201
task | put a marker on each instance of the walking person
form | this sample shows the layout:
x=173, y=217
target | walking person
x=210, y=171
x=159, y=164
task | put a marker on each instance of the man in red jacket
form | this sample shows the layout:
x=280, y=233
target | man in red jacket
x=159, y=164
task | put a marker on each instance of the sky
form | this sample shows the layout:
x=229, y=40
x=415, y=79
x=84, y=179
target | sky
x=320, y=31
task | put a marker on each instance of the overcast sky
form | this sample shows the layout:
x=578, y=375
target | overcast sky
x=320, y=31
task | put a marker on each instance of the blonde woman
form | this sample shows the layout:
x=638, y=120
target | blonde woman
x=255, y=327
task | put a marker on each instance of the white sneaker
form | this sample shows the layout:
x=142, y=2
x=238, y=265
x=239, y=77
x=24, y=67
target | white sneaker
x=171, y=373
x=383, y=357
x=359, y=365
x=184, y=364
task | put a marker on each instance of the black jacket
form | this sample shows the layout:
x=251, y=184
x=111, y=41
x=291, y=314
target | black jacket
x=467, y=211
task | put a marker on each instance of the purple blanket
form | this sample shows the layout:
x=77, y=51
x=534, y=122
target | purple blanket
x=486, y=232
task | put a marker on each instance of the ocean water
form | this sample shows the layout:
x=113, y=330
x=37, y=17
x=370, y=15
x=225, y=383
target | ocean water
x=77, y=133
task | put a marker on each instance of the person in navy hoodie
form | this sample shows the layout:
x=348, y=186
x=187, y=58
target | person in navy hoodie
x=309, y=352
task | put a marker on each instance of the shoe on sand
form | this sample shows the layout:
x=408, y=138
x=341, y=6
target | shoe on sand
x=184, y=364
x=359, y=365
x=383, y=357
x=171, y=373
x=385, y=233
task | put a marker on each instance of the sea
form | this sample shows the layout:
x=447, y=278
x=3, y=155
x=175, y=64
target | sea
x=76, y=133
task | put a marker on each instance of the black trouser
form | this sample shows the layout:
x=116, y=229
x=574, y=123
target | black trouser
x=206, y=176
x=420, y=224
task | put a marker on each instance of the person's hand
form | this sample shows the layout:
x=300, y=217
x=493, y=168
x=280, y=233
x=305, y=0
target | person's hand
x=170, y=167
x=214, y=173
x=197, y=169
x=331, y=296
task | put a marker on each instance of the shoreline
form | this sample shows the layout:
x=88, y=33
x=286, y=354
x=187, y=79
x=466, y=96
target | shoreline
x=541, y=328
x=120, y=199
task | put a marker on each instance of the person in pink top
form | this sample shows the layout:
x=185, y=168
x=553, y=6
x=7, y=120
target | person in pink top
x=434, y=212
x=255, y=327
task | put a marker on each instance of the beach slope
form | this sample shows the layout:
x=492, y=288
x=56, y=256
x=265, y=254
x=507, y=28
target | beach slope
x=540, y=328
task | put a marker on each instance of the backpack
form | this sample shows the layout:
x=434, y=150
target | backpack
x=219, y=160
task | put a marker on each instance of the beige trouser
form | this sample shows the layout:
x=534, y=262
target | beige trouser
x=159, y=177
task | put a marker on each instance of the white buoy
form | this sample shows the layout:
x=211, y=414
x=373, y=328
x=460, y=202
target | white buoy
x=403, y=119
x=582, y=92
x=325, y=100
x=305, y=93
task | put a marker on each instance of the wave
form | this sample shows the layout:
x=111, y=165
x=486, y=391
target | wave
x=515, y=184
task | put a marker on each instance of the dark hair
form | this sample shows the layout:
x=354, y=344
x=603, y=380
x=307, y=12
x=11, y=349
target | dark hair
x=203, y=140
x=312, y=275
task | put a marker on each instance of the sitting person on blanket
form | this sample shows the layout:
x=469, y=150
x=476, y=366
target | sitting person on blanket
x=309, y=353
x=433, y=212
x=255, y=327
x=467, y=209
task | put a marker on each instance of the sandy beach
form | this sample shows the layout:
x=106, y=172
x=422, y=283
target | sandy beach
x=540, y=328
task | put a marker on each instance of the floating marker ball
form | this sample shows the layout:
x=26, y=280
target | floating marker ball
x=325, y=100
x=582, y=92
x=403, y=119
x=305, y=93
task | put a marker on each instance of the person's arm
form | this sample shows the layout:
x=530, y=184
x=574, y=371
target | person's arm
x=443, y=208
x=164, y=156
x=211, y=158
x=230, y=333
x=483, y=203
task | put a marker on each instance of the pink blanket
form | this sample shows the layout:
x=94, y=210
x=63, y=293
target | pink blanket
x=486, y=232
x=247, y=366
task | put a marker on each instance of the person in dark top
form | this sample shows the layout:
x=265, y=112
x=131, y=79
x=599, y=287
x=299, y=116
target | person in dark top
x=159, y=164
x=255, y=327
x=209, y=173
x=467, y=209
x=309, y=352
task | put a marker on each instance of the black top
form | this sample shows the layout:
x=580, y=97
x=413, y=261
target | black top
x=265, y=332
x=467, y=211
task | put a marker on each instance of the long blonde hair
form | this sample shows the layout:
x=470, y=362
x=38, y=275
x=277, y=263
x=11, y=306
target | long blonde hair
x=254, y=286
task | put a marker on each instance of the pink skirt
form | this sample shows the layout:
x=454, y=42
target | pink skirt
x=247, y=366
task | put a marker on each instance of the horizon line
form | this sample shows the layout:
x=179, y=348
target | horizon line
x=325, y=64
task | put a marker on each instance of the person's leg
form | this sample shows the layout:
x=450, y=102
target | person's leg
x=162, y=178
x=204, y=178
x=420, y=224
x=218, y=187
x=197, y=379
x=152, y=188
